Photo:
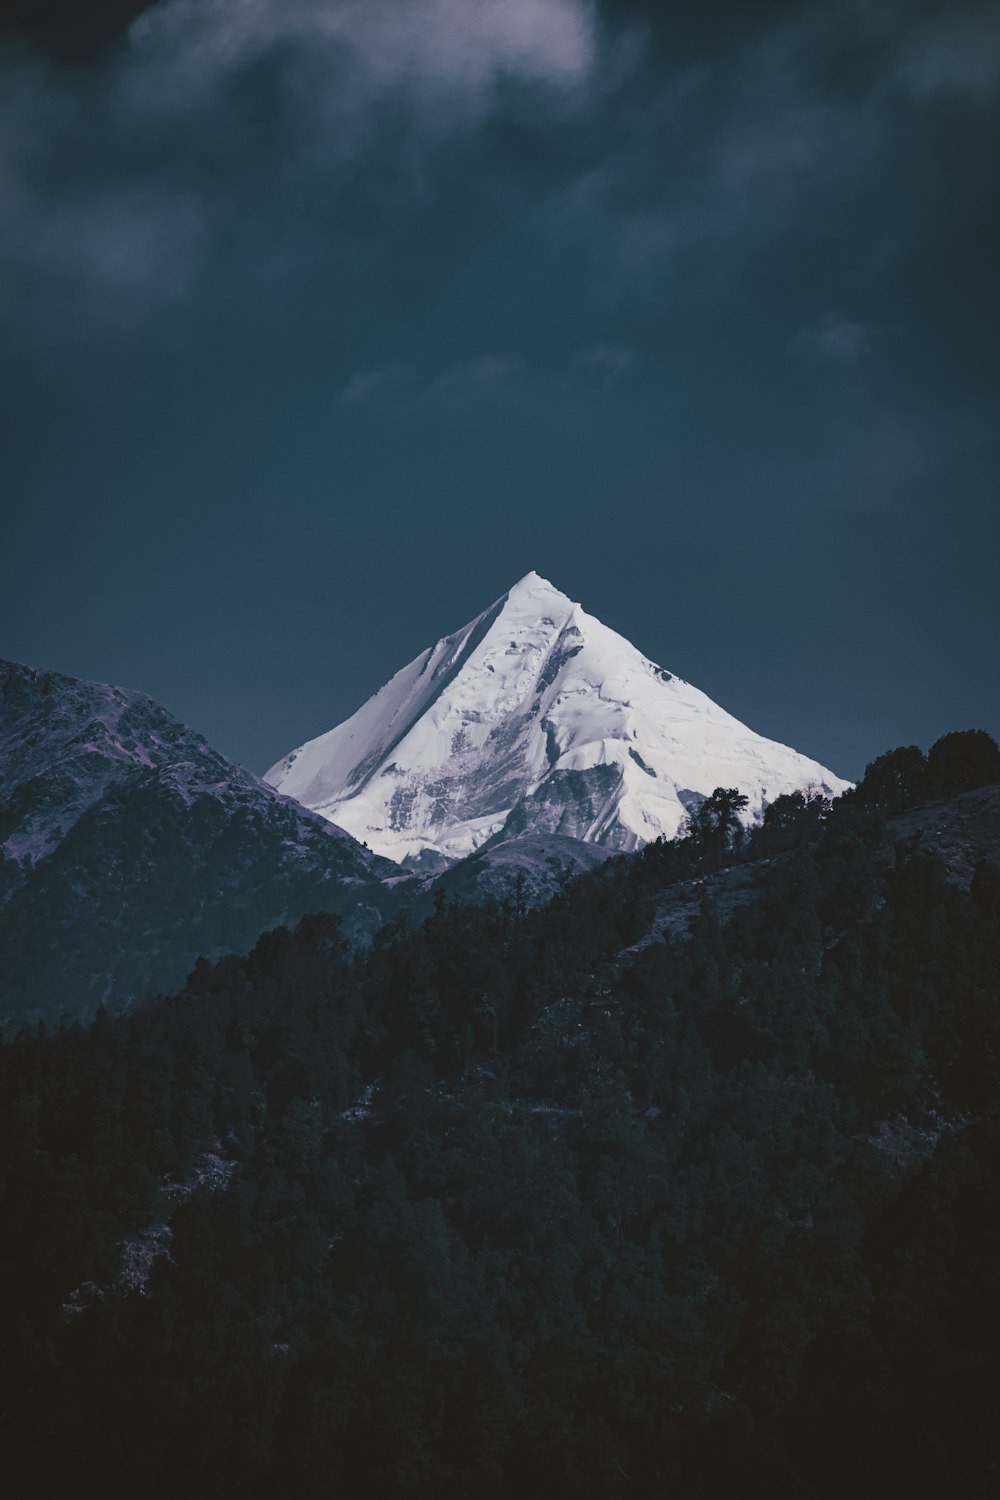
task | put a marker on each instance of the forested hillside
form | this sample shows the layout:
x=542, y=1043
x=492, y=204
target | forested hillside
x=657, y=1190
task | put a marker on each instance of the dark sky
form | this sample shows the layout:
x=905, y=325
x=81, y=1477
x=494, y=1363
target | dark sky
x=323, y=321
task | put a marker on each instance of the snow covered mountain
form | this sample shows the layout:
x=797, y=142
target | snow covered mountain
x=534, y=718
x=129, y=847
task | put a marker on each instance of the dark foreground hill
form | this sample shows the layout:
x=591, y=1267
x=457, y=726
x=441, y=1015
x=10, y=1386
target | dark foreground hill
x=565, y=1202
x=129, y=847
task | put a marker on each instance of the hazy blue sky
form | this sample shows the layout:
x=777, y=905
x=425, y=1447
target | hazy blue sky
x=323, y=321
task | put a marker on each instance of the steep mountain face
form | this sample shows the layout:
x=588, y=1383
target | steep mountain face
x=528, y=871
x=533, y=719
x=523, y=872
x=130, y=848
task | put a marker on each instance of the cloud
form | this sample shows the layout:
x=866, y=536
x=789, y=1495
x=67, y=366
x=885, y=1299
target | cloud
x=463, y=385
x=87, y=228
x=720, y=162
x=245, y=134
x=957, y=54
x=811, y=121
x=124, y=177
x=834, y=339
x=471, y=382
x=345, y=55
x=373, y=387
x=608, y=362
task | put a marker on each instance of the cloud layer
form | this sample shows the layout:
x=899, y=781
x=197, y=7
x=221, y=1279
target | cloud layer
x=119, y=180
x=119, y=185
x=349, y=54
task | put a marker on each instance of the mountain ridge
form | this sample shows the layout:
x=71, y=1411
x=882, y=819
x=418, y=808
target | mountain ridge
x=129, y=847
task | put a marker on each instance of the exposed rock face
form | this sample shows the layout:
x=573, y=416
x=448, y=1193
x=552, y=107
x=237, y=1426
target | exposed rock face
x=130, y=848
x=527, y=871
x=961, y=831
x=534, y=719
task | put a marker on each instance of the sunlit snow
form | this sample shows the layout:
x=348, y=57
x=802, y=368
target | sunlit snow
x=534, y=717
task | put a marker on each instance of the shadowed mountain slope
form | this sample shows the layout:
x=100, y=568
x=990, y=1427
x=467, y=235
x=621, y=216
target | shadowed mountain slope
x=130, y=848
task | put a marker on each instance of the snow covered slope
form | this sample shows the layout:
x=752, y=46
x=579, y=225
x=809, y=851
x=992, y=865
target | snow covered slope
x=129, y=847
x=534, y=718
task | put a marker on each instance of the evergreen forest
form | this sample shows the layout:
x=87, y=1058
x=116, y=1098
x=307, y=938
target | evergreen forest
x=571, y=1201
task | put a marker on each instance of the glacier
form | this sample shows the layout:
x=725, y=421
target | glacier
x=533, y=719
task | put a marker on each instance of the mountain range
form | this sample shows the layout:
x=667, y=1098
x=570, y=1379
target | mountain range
x=517, y=752
x=684, y=1176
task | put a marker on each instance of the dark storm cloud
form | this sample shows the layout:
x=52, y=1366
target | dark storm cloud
x=129, y=181
x=67, y=30
x=954, y=52
x=301, y=295
x=800, y=127
x=126, y=177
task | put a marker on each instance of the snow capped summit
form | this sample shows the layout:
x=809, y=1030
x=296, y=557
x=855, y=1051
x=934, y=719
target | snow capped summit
x=533, y=718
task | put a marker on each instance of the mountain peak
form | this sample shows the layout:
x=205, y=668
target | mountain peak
x=534, y=718
x=533, y=585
